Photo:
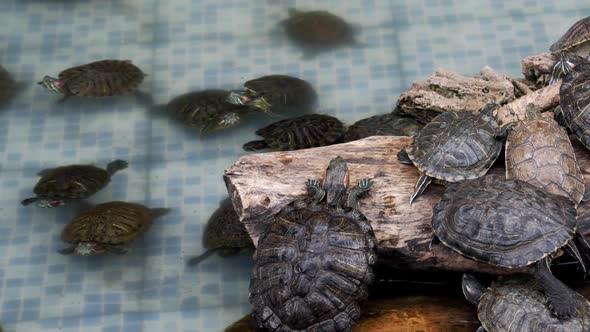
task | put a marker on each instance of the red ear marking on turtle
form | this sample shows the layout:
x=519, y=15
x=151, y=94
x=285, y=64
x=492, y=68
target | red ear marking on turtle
x=346, y=178
x=324, y=177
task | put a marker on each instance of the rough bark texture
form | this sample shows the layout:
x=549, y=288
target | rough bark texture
x=537, y=68
x=543, y=100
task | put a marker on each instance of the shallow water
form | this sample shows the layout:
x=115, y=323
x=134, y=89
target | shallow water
x=187, y=45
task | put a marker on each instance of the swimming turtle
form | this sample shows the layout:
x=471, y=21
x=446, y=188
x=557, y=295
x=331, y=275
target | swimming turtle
x=60, y=185
x=224, y=234
x=517, y=304
x=277, y=93
x=108, y=227
x=574, y=37
x=455, y=146
x=102, y=78
x=574, y=100
x=314, y=262
x=302, y=132
x=512, y=224
x=539, y=151
x=388, y=124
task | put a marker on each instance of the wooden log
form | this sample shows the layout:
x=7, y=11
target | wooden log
x=543, y=100
x=261, y=184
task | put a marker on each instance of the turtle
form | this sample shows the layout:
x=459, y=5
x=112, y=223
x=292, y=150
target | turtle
x=224, y=234
x=276, y=93
x=306, y=131
x=455, y=146
x=539, y=151
x=314, y=262
x=58, y=186
x=388, y=124
x=517, y=304
x=574, y=100
x=316, y=31
x=206, y=109
x=108, y=227
x=574, y=37
x=102, y=78
x=512, y=224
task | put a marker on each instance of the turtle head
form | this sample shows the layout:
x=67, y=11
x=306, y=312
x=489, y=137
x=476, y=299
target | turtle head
x=89, y=249
x=473, y=289
x=239, y=99
x=52, y=84
x=50, y=203
x=335, y=181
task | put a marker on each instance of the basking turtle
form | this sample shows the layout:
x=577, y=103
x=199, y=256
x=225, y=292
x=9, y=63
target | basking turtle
x=574, y=37
x=303, y=132
x=314, y=263
x=455, y=146
x=108, y=227
x=539, y=151
x=207, y=109
x=60, y=185
x=574, y=100
x=512, y=224
x=224, y=234
x=388, y=124
x=96, y=79
x=276, y=93
x=517, y=304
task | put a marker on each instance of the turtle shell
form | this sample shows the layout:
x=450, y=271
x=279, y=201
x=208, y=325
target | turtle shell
x=575, y=35
x=574, y=100
x=72, y=181
x=519, y=304
x=384, y=124
x=317, y=29
x=456, y=146
x=281, y=93
x=508, y=223
x=101, y=78
x=539, y=151
x=313, y=266
x=307, y=131
x=109, y=223
x=225, y=230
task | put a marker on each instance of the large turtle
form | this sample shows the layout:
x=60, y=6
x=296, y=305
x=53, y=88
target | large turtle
x=539, y=151
x=517, y=304
x=108, y=227
x=224, y=234
x=455, y=146
x=314, y=262
x=512, y=224
x=303, y=132
x=102, y=78
x=277, y=93
x=60, y=185
x=574, y=100
x=574, y=37
x=388, y=124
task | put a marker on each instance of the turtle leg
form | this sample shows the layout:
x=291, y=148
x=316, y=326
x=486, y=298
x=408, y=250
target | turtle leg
x=315, y=188
x=255, y=145
x=198, y=259
x=420, y=186
x=68, y=251
x=404, y=158
x=116, y=165
x=560, y=298
x=361, y=188
x=29, y=200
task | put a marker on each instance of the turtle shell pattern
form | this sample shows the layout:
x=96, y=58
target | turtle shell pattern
x=102, y=78
x=508, y=223
x=282, y=92
x=319, y=29
x=198, y=108
x=575, y=35
x=519, y=304
x=574, y=100
x=456, y=146
x=384, y=124
x=111, y=223
x=224, y=229
x=307, y=131
x=72, y=181
x=315, y=263
x=539, y=152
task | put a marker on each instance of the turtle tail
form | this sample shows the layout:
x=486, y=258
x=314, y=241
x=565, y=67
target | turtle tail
x=422, y=183
x=116, y=165
x=29, y=200
x=198, y=259
x=159, y=212
x=255, y=145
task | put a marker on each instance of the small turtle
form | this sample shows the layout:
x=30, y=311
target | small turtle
x=517, y=304
x=96, y=79
x=276, y=93
x=314, y=263
x=224, y=234
x=539, y=151
x=455, y=146
x=207, y=109
x=60, y=185
x=303, y=132
x=512, y=224
x=108, y=227
x=388, y=124
x=574, y=101
x=577, y=34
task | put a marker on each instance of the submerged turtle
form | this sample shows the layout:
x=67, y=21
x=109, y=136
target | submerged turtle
x=388, y=124
x=96, y=79
x=224, y=234
x=539, y=151
x=455, y=146
x=517, y=304
x=575, y=36
x=303, y=132
x=512, y=224
x=277, y=93
x=60, y=185
x=574, y=100
x=314, y=263
x=108, y=227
